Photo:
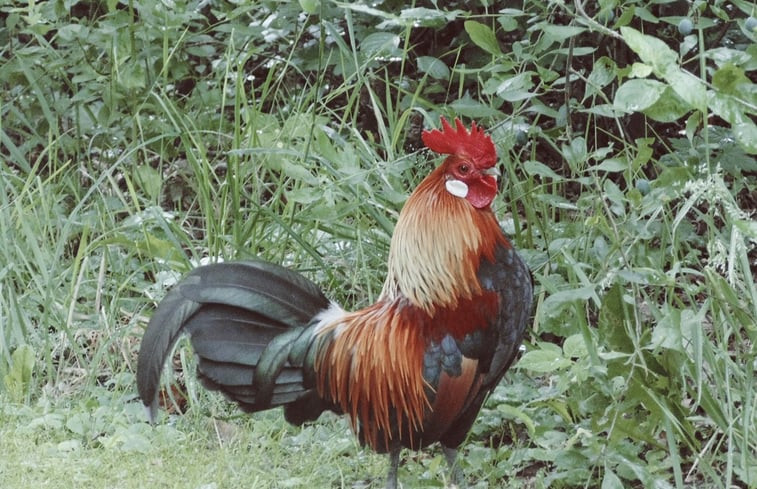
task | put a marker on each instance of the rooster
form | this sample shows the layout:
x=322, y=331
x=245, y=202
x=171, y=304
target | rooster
x=410, y=370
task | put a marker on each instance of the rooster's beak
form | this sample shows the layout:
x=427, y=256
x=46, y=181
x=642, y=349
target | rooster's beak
x=493, y=171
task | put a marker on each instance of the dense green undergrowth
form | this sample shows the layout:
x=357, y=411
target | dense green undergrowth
x=139, y=139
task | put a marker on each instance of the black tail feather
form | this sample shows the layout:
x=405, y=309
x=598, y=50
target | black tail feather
x=249, y=325
x=162, y=333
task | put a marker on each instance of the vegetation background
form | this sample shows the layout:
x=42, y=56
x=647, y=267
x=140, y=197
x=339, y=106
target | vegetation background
x=140, y=138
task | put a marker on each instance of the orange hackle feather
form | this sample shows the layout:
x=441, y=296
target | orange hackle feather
x=374, y=372
x=373, y=366
x=437, y=246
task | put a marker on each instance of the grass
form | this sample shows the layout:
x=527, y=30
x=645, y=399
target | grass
x=129, y=162
x=109, y=446
x=101, y=440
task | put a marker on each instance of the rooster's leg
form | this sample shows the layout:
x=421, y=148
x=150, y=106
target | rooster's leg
x=394, y=463
x=455, y=473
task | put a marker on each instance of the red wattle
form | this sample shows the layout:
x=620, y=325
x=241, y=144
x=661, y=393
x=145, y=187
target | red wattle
x=482, y=192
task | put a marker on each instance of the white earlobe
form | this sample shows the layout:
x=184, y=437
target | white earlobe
x=457, y=188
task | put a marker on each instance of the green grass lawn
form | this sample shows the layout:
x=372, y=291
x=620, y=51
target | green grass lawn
x=138, y=140
x=106, y=443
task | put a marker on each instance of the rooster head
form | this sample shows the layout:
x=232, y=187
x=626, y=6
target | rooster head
x=469, y=171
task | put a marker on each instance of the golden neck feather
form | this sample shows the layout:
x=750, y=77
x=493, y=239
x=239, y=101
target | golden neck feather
x=437, y=246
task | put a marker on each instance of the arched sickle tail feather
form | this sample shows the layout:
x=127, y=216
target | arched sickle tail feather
x=237, y=314
x=162, y=332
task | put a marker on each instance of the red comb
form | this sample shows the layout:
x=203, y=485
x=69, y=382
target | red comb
x=476, y=144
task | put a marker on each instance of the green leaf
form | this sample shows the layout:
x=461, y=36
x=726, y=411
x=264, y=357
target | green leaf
x=626, y=16
x=426, y=17
x=202, y=50
x=612, y=165
x=379, y=42
x=513, y=88
x=611, y=481
x=516, y=87
x=616, y=197
x=575, y=153
x=668, y=108
x=483, y=37
x=692, y=124
x=512, y=412
x=557, y=201
x=559, y=33
x=577, y=51
x=310, y=7
x=732, y=110
x=602, y=73
x=546, y=75
x=18, y=379
x=728, y=79
x=507, y=22
x=543, y=361
x=151, y=246
x=673, y=177
x=149, y=180
x=640, y=70
x=644, y=14
x=433, y=67
x=468, y=107
x=574, y=346
x=726, y=107
x=667, y=332
x=644, y=152
x=746, y=134
x=555, y=302
x=636, y=95
x=747, y=227
x=688, y=87
x=298, y=172
x=727, y=56
x=664, y=63
x=78, y=423
x=613, y=314
x=69, y=445
x=651, y=50
x=641, y=275
x=538, y=168
x=304, y=195
x=133, y=77
x=602, y=110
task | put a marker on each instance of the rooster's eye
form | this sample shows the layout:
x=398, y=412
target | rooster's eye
x=464, y=169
